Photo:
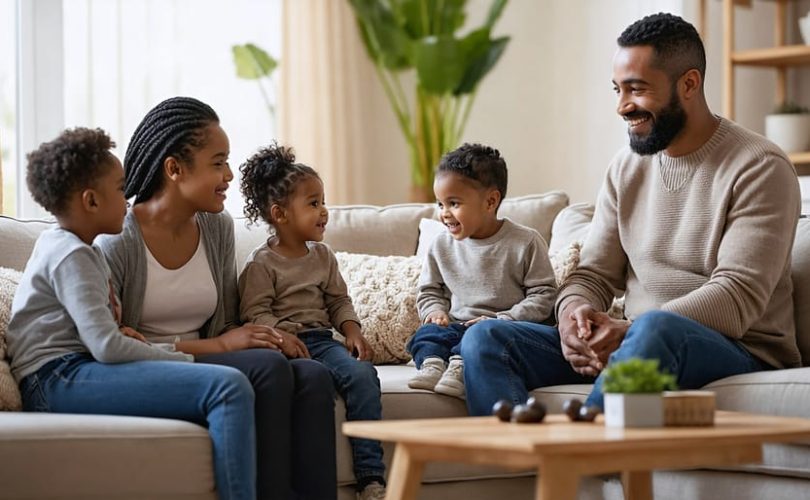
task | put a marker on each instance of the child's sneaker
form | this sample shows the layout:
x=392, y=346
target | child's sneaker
x=427, y=376
x=452, y=382
x=372, y=491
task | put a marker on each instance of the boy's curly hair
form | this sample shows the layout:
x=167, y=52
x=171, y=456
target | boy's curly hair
x=71, y=162
x=483, y=164
x=269, y=177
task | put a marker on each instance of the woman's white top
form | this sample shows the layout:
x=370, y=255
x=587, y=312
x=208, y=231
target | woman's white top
x=177, y=302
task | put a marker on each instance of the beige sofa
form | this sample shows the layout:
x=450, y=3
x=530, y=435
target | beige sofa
x=66, y=456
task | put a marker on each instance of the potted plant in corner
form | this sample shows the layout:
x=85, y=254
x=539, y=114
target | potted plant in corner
x=789, y=127
x=633, y=392
x=421, y=35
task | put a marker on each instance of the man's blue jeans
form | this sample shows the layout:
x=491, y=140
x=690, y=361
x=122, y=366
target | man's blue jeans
x=218, y=397
x=504, y=361
x=357, y=382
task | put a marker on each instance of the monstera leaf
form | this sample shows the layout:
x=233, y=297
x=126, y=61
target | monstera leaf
x=421, y=35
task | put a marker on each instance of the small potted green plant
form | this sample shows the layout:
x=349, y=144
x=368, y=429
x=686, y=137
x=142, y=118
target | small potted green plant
x=789, y=127
x=633, y=393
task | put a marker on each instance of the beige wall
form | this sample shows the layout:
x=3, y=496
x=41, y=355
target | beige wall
x=549, y=106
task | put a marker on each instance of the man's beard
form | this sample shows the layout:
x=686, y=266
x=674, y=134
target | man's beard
x=669, y=122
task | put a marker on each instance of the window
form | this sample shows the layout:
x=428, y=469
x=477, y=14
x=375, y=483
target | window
x=118, y=59
x=8, y=90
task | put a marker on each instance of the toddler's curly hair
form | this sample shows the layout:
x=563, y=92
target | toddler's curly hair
x=269, y=177
x=71, y=162
x=482, y=164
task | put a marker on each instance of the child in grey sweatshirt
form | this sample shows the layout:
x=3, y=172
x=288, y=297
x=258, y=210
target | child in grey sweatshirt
x=482, y=272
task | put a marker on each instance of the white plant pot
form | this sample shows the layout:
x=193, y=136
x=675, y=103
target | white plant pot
x=791, y=132
x=634, y=410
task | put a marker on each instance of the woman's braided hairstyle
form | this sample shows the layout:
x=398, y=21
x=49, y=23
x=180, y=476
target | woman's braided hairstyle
x=269, y=177
x=175, y=127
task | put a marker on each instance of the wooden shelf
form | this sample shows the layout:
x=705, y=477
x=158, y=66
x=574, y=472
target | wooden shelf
x=788, y=55
x=801, y=161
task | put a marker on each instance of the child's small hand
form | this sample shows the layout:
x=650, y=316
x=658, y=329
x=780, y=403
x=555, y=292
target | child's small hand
x=438, y=318
x=476, y=320
x=355, y=342
x=130, y=332
x=359, y=344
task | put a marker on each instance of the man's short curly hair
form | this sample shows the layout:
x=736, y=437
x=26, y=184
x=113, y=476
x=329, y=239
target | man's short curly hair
x=71, y=162
x=482, y=164
x=676, y=43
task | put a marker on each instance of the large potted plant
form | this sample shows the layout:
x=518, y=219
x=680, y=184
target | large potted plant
x=633, y=392
x=789, y=127
x=420, y=35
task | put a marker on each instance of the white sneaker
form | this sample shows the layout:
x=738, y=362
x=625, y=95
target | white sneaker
x=428, y=375
x=372, y=491
x=452, y=382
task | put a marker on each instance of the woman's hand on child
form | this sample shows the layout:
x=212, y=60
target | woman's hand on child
x=293, y=347
x=250, y=336
x=130, y=332
x=438, y=318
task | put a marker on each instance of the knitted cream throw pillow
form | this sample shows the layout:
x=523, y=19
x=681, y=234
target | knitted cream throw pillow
x=566, y=261
x=383, y=291
x=9, y=392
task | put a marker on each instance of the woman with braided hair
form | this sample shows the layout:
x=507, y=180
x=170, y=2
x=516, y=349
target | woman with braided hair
x=174, y=269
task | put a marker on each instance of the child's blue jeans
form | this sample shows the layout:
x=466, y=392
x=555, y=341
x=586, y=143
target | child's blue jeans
x=434, y=341
x=357, y=383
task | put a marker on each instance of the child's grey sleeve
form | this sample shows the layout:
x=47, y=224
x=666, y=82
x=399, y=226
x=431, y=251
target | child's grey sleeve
x=82, y=287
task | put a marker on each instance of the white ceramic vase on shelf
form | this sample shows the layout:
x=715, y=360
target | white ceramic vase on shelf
x=791, y=132
x=804, y=27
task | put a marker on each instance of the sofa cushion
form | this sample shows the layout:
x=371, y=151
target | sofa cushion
x=570, y=225
x=47, y=455
x=383, y=291
x=401, y=402
x=18, y=239
x=800, y=271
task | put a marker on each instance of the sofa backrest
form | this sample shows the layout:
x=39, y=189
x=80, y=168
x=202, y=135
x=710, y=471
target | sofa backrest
x=800, y=271
x=17, y=238
x=394, y=229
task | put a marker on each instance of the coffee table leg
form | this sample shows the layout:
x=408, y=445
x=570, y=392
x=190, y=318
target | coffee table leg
x=637, y=485
x=556, y=480
x=405, y=477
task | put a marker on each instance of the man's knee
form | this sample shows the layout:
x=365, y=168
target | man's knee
x=651, y=333
x=483, y=337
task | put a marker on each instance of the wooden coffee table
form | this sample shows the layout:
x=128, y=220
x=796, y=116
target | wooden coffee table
x=563, y=451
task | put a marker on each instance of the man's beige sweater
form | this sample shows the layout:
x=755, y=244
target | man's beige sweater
x=707, y=235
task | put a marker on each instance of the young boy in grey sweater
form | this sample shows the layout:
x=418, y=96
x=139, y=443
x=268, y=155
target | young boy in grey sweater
x=483, y=271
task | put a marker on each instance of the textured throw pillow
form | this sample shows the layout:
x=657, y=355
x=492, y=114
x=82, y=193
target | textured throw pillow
x=565, y=261
x=9, y=392
x=383, y=291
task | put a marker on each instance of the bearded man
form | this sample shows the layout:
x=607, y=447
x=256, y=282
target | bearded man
x=694, y=225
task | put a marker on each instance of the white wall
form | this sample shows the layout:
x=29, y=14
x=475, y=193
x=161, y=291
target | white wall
x=549, y=106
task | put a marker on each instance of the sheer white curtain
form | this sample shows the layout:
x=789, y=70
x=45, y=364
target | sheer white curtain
x=325, y=77
x=122, y=57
